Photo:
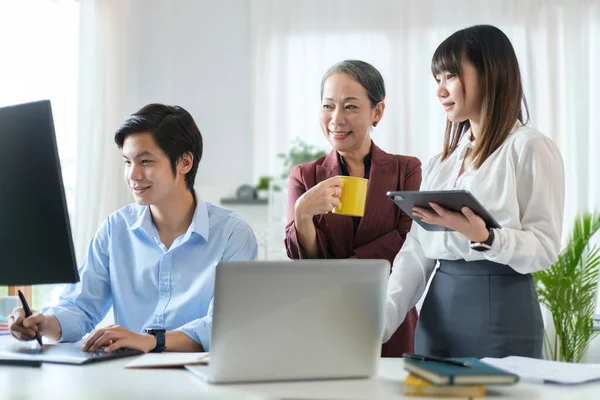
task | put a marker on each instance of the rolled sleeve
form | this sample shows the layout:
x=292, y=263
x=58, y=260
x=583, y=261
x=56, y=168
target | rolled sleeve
x=241, y=246
x=73, y=323
x=84, y=304
x=199, y=330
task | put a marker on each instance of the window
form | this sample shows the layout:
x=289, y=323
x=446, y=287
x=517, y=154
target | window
x=39, y=42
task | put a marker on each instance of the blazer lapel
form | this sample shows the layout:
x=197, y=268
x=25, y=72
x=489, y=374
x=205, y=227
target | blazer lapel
x=340, y=227
x=382, y=178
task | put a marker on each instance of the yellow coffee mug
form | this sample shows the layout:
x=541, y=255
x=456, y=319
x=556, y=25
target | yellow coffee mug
x=353, y=197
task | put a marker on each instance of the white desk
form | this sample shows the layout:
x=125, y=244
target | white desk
x=110, y=380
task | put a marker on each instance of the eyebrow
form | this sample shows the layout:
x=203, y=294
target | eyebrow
x=142, y=154
x=346, y=99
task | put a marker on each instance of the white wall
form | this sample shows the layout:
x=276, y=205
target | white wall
x=196, y=54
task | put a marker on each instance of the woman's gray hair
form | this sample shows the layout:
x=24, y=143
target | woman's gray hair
x=362, y=72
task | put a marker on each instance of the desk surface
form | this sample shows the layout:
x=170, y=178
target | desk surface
x=110, y=380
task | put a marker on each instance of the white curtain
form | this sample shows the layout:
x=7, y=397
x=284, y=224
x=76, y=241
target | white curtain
x=100, y=189
x=557, y=43
x=38, y=46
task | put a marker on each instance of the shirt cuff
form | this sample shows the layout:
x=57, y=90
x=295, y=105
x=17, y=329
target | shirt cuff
x=199, y=331
x=496, y=254
x=70, y=324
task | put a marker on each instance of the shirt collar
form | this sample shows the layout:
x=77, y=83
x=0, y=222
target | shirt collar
x=144, y=220
x=466, y=140
x=366, y=162
x=199, y=225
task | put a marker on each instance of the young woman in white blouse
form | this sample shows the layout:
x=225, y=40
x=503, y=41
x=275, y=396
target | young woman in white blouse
x=482, y=300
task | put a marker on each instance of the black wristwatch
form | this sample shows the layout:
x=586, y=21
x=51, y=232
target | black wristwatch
x=159, y=334
x=484, y=246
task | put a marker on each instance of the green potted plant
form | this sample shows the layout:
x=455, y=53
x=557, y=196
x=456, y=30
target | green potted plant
x=262, y=189
x=568, y=289
x=299, y=153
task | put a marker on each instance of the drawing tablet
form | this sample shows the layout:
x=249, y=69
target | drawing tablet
x=61, y=353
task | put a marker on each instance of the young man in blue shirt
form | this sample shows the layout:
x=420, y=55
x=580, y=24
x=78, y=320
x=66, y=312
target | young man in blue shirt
x=154, y=260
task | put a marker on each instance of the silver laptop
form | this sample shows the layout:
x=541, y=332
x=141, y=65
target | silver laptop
x=296, y=320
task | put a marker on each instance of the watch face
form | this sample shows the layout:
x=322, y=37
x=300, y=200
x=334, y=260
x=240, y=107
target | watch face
x=480, y=247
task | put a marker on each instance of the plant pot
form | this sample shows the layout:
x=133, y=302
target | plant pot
x=262, y=194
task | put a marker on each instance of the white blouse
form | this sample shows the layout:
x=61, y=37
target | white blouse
x=522, y=185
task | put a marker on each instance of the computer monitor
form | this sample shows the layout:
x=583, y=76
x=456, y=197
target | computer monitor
x=36, y=245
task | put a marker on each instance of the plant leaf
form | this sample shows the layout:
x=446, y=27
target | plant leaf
x=568, y=289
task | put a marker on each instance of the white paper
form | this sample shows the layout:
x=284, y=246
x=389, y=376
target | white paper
x=532, y=369
x=157, y=360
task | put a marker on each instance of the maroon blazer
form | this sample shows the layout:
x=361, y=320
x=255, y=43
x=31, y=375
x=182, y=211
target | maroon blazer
x=381, y=232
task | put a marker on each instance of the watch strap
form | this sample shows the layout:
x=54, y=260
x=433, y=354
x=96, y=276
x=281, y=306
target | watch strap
x=159, y=334
x=487, y=244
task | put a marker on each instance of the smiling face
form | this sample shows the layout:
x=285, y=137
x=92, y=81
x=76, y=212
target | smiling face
x=148, y=170
x=346, y=114
x=461, y=96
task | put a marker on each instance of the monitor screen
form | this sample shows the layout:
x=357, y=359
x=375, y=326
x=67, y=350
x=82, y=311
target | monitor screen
x=36, y=245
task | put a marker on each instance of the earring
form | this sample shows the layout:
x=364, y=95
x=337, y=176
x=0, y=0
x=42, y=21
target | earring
x=374, y=123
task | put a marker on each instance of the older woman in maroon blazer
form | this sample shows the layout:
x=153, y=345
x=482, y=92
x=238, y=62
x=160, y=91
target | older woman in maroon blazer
x=352, y=95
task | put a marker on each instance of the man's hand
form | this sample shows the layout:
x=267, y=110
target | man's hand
x=115, y=337
x=467, y=222
x=25, y=328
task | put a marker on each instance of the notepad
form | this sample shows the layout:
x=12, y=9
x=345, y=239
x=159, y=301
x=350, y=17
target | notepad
x=478, y=373
x=415, y=386
x=533, y=369
x=167, y=360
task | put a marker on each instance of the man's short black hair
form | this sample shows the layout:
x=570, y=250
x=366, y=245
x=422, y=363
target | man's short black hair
x=173, y=130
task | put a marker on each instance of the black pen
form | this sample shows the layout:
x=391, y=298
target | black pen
x=28, y=314
x=436, y=359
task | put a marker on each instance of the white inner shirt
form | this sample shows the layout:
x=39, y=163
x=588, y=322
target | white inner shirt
x=522, y=185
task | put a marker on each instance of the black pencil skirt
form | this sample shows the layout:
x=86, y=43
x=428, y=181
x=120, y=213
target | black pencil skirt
x=480, y=309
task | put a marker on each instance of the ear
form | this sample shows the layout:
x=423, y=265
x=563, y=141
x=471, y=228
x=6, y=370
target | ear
x=185, y=163
x=377, y=113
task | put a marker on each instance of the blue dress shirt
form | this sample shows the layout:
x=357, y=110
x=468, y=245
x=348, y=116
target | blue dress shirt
x=149, y=286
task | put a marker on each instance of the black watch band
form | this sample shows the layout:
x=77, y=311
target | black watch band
x=484, y=246
x=159, y=334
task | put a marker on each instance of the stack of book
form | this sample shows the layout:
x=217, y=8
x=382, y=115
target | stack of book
x=3, y=326
x=452, y=377
x=415, y=386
